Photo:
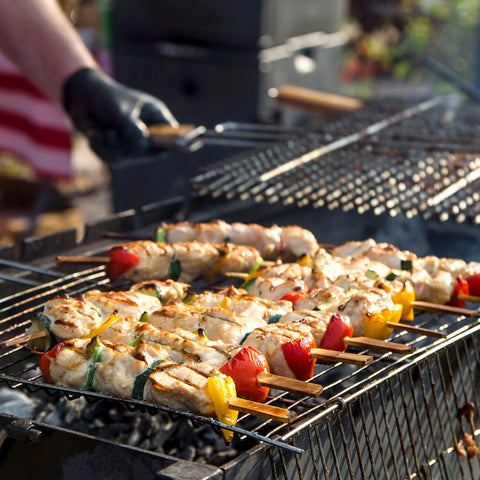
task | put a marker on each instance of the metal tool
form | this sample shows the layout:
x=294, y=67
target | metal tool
x=228, y=134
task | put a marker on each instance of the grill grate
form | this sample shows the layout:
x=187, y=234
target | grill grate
x=392, y=157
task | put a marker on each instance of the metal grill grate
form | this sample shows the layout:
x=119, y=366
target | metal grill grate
x=392, y=157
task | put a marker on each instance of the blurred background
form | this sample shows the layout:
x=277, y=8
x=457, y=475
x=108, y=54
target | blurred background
x=214, y=61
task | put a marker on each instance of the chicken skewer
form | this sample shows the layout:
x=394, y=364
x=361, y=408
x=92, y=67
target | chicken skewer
x=91, y=314
x=435, y=279
x=363, y=306
x=147, y=373
x=328, y=277
x=187, y=261
x=332, y=333
x=287, y=242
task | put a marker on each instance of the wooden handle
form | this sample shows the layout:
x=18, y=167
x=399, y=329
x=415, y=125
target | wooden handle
x=289, y=384
x=261, y=410
x=74, y=259
x=436, y=308
x=419, y=330
x=314, y=101
x=343, y=357
x=374, y=344
x=166, y=130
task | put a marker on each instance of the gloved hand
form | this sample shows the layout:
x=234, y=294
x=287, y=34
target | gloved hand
x=111, y=115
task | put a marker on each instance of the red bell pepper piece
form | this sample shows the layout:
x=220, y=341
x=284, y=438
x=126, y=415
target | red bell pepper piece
x=293, y=297
x=474, y=284
x=244, y=368
x=461, y=288
x=337, y=329
x=121, y=260
x=47, y=357
x=298, y=357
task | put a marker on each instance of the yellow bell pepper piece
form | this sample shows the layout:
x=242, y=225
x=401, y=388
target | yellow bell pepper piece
x=99, y=330
x=405, y=298
x=304, y=260
x=221, y=389
x=375, y=325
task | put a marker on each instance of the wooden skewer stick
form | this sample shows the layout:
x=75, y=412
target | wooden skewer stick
x=375, y=344
x=126, y=236
x=81, y=259
x=469, y=298
x=436, y=308
x=414, y=329
x=236, y=274
x=344, y=357
x=261, y=410
x=289, y=384
x=21, y=339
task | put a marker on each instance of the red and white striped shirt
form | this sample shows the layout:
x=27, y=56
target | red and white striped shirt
x=32, y=127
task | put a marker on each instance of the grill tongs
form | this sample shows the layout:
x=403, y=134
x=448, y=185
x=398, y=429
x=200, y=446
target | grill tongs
x=228, y=134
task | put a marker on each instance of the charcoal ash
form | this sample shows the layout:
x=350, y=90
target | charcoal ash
x=157, y=433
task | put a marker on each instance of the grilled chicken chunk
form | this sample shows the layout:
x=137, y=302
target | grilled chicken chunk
x=362, y=305
x=276, y=288
x=184, y=346
x=240, y=302
x=380, y=252
x=316, y=321
x=289, y=242
x=166, y=291
x=269, y=339
x=131, y=303
x=76, y=317
x=184, y=261
x=217, y=323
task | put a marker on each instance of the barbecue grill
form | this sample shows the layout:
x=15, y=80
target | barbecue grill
x=398, y=417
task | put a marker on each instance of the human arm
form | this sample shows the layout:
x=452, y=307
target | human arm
x=39, y=39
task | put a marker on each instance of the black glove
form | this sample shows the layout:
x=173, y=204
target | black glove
x=111, y=115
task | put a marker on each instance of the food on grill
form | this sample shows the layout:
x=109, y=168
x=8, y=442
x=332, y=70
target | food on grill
x=239, y=318
x=166, y=291
x=435, y=279
x=275, y=341
x=368, y=310
x=143, y=372
x=243, y=366
x=288, y=242
x=145, y=260
x=61, y=314
x=318, y=282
